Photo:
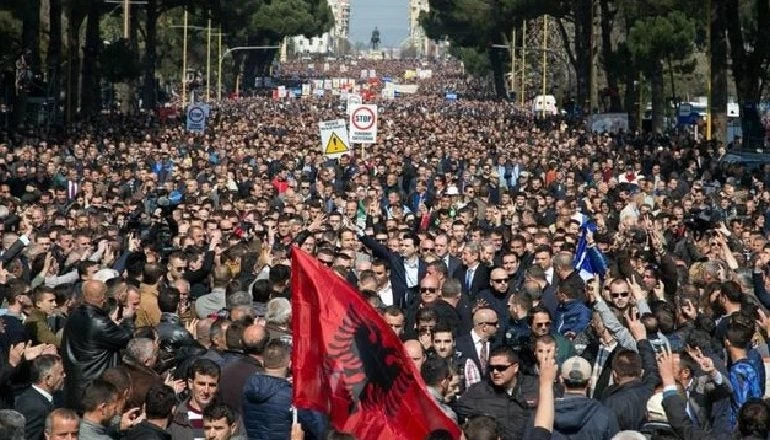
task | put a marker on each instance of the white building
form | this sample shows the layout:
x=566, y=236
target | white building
x=417, y=36
x=330, y=41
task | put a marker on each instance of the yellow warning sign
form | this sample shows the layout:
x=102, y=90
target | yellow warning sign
x=335, y=145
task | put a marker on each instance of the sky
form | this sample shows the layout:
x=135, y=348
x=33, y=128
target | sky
x=391, y=17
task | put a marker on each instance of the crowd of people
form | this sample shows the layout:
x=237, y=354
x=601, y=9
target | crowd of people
x=145, y=272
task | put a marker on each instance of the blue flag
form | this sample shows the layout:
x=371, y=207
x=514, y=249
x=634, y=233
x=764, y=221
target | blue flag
x=589, y=261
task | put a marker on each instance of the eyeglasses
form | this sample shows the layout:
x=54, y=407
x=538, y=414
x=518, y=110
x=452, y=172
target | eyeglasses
x=542, y=324
x=491, y=324
x=427, y=249
x=619, y=294
x=428, y=289
x=499, y=368
x=500, y=280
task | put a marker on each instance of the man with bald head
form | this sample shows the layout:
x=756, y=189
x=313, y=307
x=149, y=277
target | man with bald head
x=476, y=345
x=415, y=351
x=430, y=297
x=497, y=294
x=237, y=372
x=92, y=340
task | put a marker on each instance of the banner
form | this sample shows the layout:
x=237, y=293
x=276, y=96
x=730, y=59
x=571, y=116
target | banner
x=348, y=363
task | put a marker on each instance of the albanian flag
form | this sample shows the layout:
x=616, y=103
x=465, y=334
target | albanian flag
x=348, y=363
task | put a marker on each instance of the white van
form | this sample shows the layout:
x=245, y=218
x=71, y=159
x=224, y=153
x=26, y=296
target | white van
x=545, y=104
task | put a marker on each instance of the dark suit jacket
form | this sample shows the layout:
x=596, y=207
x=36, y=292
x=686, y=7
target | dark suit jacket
x=401, y=297
x=467, y=349
x=479, y=283
x=454, y=267
x=35, y=408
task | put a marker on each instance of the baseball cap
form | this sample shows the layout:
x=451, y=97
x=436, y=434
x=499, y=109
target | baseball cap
x=576, y=370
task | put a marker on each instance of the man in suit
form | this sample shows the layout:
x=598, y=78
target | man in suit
x=475, y=345
x=474, y=276
x=36, y=402
x=453, y=264
x=406, y=270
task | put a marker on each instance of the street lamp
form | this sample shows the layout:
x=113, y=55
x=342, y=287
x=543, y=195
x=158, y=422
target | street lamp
x=229, y=51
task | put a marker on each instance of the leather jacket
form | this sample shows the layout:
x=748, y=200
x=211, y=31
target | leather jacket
x=90, y=345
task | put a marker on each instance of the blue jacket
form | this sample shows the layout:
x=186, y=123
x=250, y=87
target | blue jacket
x=572, y=316
x=582, y=418
x=267, y=410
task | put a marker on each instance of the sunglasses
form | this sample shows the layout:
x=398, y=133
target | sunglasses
x=428, y=289
x=619, y=295
x=542, y=324
x=491, y=324
x=500, y=280
x=327, y=263
x=499, y=368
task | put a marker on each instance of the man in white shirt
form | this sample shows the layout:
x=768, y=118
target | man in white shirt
x=36, y=402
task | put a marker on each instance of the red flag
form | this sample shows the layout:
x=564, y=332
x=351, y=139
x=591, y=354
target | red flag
x=348, y=363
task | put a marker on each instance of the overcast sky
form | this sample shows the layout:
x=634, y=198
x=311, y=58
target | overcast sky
x=391, y=17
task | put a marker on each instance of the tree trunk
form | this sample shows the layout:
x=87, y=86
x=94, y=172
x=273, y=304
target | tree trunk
x=30, y=33
x=718, y=74
x=90, y=94
x=583, y=27
x=608, y=56
x=657, y=98
x=631, y=100
x=150, y=56
x=54, y=45
x=498, y=70
x=748, y=68
x=74, y=22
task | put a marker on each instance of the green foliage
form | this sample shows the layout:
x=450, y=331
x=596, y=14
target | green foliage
x=664, y=37
x=476, y=62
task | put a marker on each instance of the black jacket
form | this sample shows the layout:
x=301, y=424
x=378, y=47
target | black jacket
x=146, y=431
x=629, y=401
x=172, y=334
x=90, y=345
x=511, y=412
x=403, y=297
x=582, y=418
x=35, y=408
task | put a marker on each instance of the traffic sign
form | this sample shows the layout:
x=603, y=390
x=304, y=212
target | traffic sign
x=196, y=117
x=334, y=138
x=335, y=145
x=363, y=124
x=353, y=100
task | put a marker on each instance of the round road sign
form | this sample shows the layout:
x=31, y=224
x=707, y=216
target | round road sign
x=363, y=118
x=196, y=114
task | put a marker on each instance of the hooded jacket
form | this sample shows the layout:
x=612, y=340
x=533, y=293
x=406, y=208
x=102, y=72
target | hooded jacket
x=582, y=418
x=267, y=410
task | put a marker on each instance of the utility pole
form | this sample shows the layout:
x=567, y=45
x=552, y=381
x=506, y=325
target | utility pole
x=126, y=18
x=545, y=57
x=208, y=61
x=708, y=74
x=513, y=60
x=219, y=70
x=184, y=62
x=523, y=60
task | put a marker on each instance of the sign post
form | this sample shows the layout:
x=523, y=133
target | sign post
x=334, y=138
x=363, y=124
x=196, y=117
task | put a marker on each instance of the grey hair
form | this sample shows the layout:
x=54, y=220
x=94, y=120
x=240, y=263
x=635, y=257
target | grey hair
x=63, y=413
x=240, y=298
x=11, y=425
x=563, y=261
x=278, y=311
x=629, y=435
x=140, y=350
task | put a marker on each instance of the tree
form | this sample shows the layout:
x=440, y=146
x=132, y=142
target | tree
x=655, y=39
x=750, y=53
